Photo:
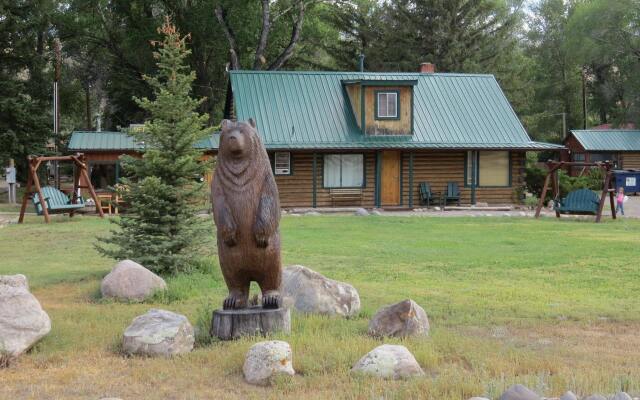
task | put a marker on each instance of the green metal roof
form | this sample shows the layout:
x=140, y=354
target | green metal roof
x=119, y=141
x=608, y=139
x=309, y=110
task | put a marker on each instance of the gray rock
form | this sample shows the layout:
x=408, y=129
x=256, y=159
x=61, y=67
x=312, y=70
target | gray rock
x=266, y=360
x=595, y=397
x=22, y=320
x=130, y=281
x=402, y=319
x=621, y=396
x=388, y=362
x=376, y=212
x=361, y=212
x=312, y=213
x=478, y=398
x=159, y=333
x=311, y=292
x=17, y=281
x=519, y=392
x=437, y=208
x=569, y=396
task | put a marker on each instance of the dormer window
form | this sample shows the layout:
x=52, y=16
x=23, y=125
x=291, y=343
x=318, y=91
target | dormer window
x=386, y=105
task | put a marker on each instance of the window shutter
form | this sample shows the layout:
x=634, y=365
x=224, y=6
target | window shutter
x=282, y=163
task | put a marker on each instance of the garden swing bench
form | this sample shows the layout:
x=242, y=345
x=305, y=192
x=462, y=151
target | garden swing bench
x=581, y=201
x=48, y=199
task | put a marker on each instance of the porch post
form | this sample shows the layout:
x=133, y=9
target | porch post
x=378, y=168
x=315, y=178
x=474, y=162
x=411, y=179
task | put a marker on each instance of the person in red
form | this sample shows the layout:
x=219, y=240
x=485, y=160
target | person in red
x=620, y=200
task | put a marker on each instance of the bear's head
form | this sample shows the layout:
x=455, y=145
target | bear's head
x=238, y=140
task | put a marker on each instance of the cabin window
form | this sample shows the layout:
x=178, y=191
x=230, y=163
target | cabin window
x=282, y=163
x=579, y=157
x=387, y=105
x=493, y=168
x=104, y=174
x=343, y=170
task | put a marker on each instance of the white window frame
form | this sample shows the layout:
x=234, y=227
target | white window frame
x=282, y=163
x=378, y=102
x=341, y=184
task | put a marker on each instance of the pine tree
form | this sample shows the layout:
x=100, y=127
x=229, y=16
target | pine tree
x=161, y=230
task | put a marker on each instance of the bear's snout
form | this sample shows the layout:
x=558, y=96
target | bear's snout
x=236, y=143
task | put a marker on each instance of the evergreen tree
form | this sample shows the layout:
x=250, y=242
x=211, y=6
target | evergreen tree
x=161, y=229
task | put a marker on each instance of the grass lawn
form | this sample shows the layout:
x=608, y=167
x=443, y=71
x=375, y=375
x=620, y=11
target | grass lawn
x=550, y=304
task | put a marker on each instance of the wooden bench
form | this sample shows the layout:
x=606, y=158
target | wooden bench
x=56, y=201
x=345, y=194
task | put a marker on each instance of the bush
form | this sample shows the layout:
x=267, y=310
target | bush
x=534, y=181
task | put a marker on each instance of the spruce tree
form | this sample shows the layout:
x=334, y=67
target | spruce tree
x=160, y=229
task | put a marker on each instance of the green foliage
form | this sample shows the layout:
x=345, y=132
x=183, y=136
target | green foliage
x=161, y=230
x=534, y=181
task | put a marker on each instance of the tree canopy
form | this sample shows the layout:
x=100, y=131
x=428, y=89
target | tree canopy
x=544, y=53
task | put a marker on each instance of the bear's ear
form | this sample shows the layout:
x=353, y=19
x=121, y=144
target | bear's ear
x=252, y=122
x=225, y=124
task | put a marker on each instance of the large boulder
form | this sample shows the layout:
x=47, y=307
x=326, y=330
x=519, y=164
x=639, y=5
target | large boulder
x=22, y=320
x=130, y=281
x=159, y=333
x=569, y=396
x=519, y=392
x=265, y=360
x=400, y=320
x=311, y=292
x=621, y=396
x=389, y=362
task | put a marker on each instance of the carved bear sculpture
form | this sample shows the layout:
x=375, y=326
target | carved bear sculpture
x=246, y=211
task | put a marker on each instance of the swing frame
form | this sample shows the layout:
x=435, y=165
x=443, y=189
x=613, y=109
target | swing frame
x=33, y=184
x=607, y=185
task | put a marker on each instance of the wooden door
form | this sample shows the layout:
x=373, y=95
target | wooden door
x=390, y=179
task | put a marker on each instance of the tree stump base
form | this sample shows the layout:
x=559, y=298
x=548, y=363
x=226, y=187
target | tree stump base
x=253, y=321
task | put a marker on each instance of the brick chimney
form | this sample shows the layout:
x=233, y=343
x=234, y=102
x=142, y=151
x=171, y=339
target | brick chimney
x=427, y=68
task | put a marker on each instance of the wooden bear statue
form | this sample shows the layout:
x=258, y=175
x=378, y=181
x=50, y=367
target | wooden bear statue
x=246, y=210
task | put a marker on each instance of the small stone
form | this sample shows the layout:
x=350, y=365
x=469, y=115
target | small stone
x=569, y=396
x=522, y=214
x=389, y=362
x=482, y=204
x=621, y=396
x=361, y=212
x=23, y=322
x=130, y=281
x=595, y=397
x=266, y=360
x=478, y=398
x=159, y=333
x=312, y=213
x=519, y=392
x=312, y=292
x=402, y=319
x=376, y=212
x=437, y=208
x=294, y=215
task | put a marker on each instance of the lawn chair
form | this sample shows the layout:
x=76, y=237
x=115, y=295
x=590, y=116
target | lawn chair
x=579, y=202
x=57, y=202
x=426, y=195
x=453, y=193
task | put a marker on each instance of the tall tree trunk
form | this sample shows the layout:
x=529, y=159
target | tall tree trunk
x=87, y=99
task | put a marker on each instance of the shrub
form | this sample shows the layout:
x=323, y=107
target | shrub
x=161, y=230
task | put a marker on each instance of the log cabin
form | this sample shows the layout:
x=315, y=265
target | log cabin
x=621, y=146
x=369, y=139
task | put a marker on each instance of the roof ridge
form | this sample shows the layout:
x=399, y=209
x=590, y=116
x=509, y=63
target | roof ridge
x=365, y=73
